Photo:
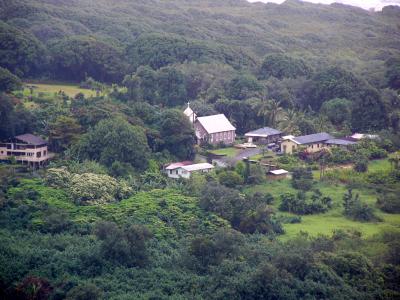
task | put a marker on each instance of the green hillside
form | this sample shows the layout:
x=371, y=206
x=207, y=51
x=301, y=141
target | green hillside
x=92, y=95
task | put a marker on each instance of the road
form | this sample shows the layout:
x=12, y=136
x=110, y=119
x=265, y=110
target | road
x=231, y=161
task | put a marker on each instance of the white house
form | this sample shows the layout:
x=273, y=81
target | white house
x=183, y=170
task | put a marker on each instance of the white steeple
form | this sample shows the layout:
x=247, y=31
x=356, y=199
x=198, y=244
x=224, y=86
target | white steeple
x=190, y=113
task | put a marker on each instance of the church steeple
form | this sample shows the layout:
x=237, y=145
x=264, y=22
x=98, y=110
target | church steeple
x=190, y=113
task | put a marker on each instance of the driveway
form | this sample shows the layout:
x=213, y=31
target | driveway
x=231, y=161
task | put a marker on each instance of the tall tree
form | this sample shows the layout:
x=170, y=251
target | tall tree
x=8, y=81
x=171, y=87
x=114, y=140
x=272, y=112
x=177, y=134
x=63, y=132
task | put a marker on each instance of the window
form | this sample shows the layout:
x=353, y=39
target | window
x=170, y=171
x=39, y=154
x=44, y=153
x=176, y=172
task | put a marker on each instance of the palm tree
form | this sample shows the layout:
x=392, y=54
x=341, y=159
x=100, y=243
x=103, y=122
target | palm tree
x=290, y=121
x=272, y=112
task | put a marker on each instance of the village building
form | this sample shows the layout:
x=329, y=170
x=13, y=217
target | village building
x=310, y=143
x=264, y=135
x=277, y=174
x=190, y=113
x=25, y=148
x=342, y=143
x=362, y=136
x=214, y=129
x=185, y=169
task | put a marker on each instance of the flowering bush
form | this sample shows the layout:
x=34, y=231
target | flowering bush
x=89, y=188
x=58, y=177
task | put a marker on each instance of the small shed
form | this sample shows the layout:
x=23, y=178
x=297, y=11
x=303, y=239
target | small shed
x=277, y=174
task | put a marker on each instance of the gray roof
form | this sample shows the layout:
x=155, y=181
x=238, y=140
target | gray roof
x=313, y=138
x=216, y=123
x=340, y=142
x=263, y=132
x=31, y=139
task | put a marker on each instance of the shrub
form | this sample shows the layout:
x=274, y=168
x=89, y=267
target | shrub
x=355, y=209
x=263, y=198
x=88, y=188
x=58, y=177
x=371, y=150
x=126, y=246
x=302, y=179
x=299, y=203
x=56, y=221
x=361, y=165
x=230, y=178
x=262, y=221
x=389, y=203
x=92, y=188
x=256, y=175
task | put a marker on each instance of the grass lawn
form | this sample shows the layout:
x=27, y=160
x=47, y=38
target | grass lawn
x=333, y=219
x=379, y=165
x=229, y=152
x=69, y=89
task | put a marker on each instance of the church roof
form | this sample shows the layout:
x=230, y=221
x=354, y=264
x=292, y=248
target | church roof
x=216, y=123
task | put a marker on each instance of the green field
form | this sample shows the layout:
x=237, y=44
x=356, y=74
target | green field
x=70, y=89
x=333, y=219
x=229, y=152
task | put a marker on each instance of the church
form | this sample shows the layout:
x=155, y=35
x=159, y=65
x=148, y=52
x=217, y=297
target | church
x=213, y=129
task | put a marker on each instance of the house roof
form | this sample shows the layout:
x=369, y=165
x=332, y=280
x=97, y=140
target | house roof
x=30, y=139
x=360, y=136
x=340, y=142
x=177, y=165
x=288, y=137
x=312, y=138
x=279, y=172
x=263, y=132
x=216, y=123
x=198, y=167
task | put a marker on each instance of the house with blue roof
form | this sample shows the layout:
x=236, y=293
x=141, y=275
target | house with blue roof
x=312, y=143
x=263, y=135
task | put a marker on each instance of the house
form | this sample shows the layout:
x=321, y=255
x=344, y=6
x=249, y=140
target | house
x=342, y=142
x=277, y=174
x=214, y=129
x=190, y=113
x=173, y=170
x=310, y=143
x=361, y=136
x=185, y=169
x=264, y=135
x=25, y=148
